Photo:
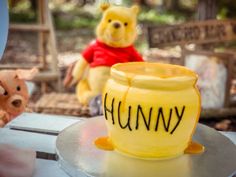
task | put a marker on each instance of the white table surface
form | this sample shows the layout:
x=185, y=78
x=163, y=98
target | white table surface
x=48, y=168
x=41, y=123
x=19, y=132
x=46, y=127
x=231, y=136
x=28, y=140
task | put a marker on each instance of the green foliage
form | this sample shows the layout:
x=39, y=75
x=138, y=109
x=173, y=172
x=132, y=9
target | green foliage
x=22, y=13
x=24, y=17
x=226, y=8
x=70, y=16
x=152, y=16
x=20, y=6
x=222, y=13
x=75, y=22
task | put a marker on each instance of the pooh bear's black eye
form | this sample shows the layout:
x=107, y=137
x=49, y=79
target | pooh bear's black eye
x=126, y=24
x=109, y=21
x=18, y=88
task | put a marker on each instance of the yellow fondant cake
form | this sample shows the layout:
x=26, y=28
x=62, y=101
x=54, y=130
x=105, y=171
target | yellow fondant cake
x=151, y=110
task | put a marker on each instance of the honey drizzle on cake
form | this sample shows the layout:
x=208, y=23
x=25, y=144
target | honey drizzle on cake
x=194, y=148
x=129, y=77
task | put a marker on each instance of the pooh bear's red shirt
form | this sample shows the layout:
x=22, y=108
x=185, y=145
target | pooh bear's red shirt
x=100, y=54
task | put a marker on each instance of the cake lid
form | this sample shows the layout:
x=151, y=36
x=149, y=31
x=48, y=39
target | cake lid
x=154, y=75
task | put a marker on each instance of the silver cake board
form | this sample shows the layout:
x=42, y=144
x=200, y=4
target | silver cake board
x=78, y=156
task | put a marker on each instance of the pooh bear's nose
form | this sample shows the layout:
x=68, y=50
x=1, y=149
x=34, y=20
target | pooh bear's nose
x=116, y=25
x=16, y=103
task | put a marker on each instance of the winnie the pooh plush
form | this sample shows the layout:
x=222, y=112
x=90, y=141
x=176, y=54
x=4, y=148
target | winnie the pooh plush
x=116, y=34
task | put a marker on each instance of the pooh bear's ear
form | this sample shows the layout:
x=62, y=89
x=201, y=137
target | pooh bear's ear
x=104, y=6
x=135, y=9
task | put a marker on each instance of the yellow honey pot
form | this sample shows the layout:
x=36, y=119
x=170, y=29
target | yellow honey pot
x=151, y=110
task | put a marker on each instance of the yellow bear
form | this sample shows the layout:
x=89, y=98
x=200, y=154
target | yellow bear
x=116, y=34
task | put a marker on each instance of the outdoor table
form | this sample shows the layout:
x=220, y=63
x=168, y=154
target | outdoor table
x=39, y=132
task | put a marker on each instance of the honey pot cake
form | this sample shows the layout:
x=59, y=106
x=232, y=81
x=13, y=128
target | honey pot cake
x=151, y=110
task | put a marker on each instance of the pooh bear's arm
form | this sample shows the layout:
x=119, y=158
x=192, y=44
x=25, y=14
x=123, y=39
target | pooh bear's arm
x=79, y=69
x=83, y=62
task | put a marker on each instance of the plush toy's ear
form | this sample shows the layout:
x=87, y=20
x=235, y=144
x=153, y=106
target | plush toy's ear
x=135, y=9
x=26, y=74
x=104, y=6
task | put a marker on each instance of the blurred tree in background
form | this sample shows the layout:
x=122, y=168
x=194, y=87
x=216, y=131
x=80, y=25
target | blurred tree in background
x=84, y=13
x=226, y=8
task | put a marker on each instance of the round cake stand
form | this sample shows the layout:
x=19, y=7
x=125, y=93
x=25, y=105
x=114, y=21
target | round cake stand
x=78, y=156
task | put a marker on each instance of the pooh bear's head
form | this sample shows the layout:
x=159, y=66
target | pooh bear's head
x=118, y=26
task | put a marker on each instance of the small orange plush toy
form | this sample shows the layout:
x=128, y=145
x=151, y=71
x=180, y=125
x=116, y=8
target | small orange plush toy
x=13, y=93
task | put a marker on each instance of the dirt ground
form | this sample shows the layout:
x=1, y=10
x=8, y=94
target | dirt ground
x=22, y=47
